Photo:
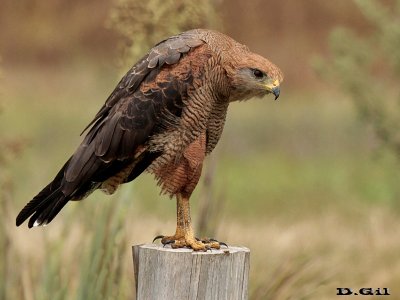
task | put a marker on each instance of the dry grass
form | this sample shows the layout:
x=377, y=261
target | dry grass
x=304, y=259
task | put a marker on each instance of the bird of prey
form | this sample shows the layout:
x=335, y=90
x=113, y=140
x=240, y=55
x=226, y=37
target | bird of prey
x=165, y=115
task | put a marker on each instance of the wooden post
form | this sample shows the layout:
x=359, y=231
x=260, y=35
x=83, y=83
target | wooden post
x=165, y=273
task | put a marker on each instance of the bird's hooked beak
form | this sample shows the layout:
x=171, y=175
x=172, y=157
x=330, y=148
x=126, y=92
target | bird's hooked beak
x=273, y=87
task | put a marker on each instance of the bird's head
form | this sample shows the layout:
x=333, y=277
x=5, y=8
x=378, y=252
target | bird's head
x=252, y=75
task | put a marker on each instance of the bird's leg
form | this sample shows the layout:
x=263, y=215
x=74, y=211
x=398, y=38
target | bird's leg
x=184, y=235
x=184, y=224
x=179, y=233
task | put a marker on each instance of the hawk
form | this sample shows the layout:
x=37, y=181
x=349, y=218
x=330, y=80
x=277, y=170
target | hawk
x=165, y=115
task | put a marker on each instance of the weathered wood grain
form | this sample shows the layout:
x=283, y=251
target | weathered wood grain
x=165, y=273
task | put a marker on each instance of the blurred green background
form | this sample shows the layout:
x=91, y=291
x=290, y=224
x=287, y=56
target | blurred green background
x=309, y=183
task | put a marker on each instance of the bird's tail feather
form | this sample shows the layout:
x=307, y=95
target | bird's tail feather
x=46, y=205
x=43, y=208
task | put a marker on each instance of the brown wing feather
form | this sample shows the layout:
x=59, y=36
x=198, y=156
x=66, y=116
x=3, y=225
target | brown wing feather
x=168, y=51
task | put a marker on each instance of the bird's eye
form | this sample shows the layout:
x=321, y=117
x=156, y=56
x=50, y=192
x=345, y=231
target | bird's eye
x=258, y=74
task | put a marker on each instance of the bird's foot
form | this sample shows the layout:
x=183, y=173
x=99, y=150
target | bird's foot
x=196, y=244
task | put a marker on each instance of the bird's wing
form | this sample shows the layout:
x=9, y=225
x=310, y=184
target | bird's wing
x=141, y=105
x=168, y=52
